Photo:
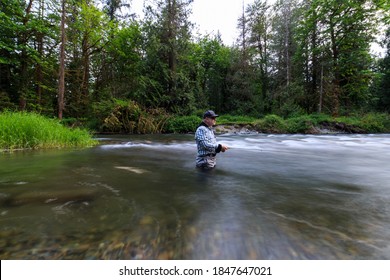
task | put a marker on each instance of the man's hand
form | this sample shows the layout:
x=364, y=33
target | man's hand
x=224, y=148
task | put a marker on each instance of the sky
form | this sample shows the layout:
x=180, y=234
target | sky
x=211, y=16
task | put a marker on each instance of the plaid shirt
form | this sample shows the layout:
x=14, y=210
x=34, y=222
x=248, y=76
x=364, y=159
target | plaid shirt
x=205, y=141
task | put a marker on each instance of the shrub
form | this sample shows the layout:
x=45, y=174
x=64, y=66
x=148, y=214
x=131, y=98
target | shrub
x=182, y=124
x=271, y=124
x=126, y=116
x=374, y=123
x=229, y=119
x=301, y=124
x=369, y=123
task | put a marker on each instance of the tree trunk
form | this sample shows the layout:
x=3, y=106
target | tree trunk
x=172, y=9
x=336, y=79
x=24, y=62
x=321, y=90
x=39, y=72
x=61, y=82
x=287, y=14
x=85, y=79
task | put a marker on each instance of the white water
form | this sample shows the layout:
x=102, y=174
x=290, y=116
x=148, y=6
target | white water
x=360, y=159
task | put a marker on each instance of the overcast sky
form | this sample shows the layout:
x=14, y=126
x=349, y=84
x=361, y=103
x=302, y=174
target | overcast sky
x=211, y=16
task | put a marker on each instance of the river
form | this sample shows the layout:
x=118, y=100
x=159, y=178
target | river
x=140, y=197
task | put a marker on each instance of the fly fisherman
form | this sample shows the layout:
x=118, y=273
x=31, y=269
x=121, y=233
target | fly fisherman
x=206, y=142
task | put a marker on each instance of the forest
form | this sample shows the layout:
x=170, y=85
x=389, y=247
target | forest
x=97, y=63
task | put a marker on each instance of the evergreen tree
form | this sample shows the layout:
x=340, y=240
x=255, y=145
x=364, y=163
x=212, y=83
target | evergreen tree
x=259, y=21
x=87, y=34
x=27, y=52
x=210, y=61
x=382, y=90
x=167, y=43
x=340, y=33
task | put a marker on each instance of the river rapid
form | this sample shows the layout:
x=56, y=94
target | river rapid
x=141, y=197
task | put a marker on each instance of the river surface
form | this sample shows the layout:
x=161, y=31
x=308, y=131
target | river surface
x=141, y=197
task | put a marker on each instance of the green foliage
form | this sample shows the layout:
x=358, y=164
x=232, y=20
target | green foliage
x=229, y=119
x=188, y=124
x=211, y=62
x=5, y=102
x=121, y=76
x=27, y=56
x=369, y=123
x=374, y=123
x=126, y=116
x=334, y=40
x=309, y=124
x=281, y=65
x=33, y=131
x=271, y=124
x=301, y=124
x=165, y=79
x=380, y=88
x=319, y=118
x=182, y=124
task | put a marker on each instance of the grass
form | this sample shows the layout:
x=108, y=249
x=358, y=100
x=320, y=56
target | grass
x=20, y=130
x=182, y=124
x=372, y=122
x=233, y=120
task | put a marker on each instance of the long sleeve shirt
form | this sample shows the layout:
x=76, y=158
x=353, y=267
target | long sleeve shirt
x=206, y=141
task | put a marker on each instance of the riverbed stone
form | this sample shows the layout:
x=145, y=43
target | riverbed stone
x=3, y=198
x=54, y=196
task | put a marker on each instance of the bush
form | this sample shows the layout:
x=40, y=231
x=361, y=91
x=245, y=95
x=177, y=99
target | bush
x=369, y=123
x=126, y=116
x=374, y=123
x=302, y=124
x=271, y=124
x=228, y=119
x=182, y=124
x=320, y=118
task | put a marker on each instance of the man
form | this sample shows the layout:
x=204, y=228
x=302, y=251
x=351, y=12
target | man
x=207, y=142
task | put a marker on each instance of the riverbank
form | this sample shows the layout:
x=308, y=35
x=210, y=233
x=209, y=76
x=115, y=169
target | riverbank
x=20, y=130
x=325, y=128
x=33, y=131
x=131, y=118
x=272, y=124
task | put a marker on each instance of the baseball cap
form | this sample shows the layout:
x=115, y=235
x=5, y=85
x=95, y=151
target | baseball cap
x=209, y=114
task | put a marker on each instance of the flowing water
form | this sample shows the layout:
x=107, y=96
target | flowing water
x=141, y=197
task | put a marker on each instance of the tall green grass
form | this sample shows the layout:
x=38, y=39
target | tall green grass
x=19, y=130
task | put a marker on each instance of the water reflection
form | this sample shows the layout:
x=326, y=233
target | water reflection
x=141, y=197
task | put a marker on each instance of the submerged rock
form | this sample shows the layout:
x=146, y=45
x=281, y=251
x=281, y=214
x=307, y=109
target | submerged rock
x=3, y=198
x=132, y=169
x=54, y=196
